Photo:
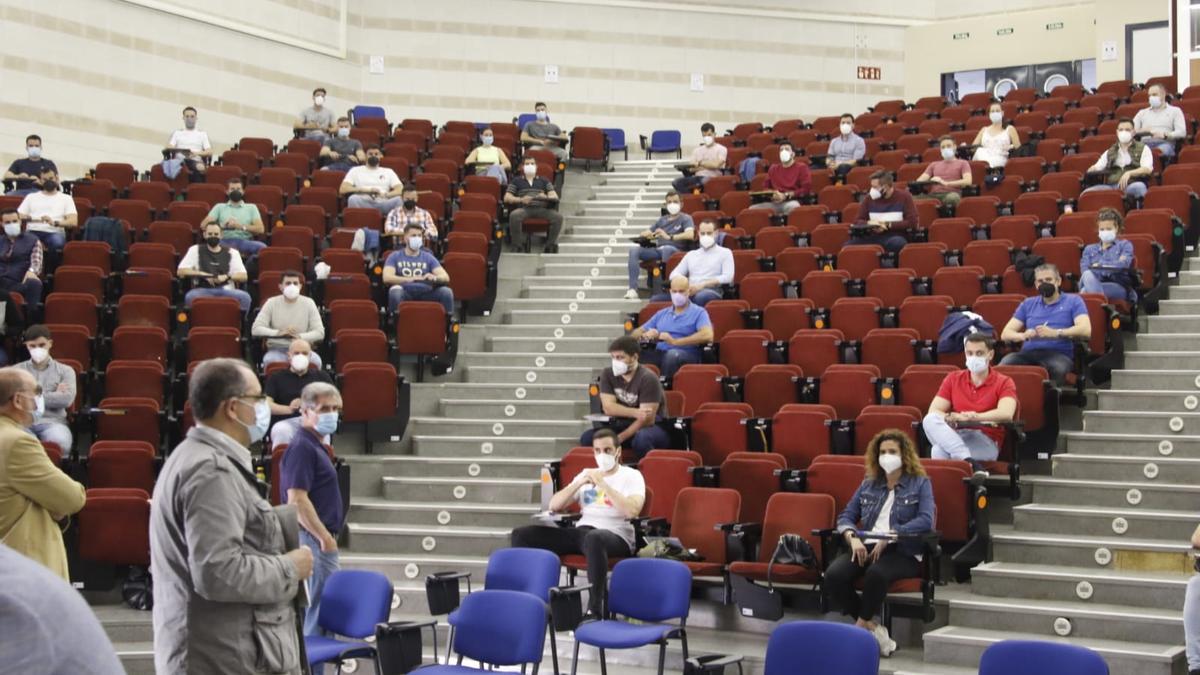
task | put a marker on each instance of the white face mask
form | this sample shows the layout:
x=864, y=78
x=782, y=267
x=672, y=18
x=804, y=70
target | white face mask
x=291, y=291
x=707, y=140
x=977, y=364
x=707, y=241
x=846, y=128
x=318, y=100
x=890, y=463
x=530, y=170
x=876, y=193
x=605, y=462
x=1124, y=137
x=1108, y=236
x=541, y=115
x=488, y=140
x=619, y=367
x=35, y=151
x=414, y=243
x=343, y=132
x=785, y=156
x=1155, y=101
x=13, y=229
x=673, y=207
x=947, y=153
x=39, y=354
x=996, y=117
x=300, y=362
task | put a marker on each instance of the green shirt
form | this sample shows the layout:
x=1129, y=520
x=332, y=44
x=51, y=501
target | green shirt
x=244, y=213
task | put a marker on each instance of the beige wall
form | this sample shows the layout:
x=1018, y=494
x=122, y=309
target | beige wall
x=1111, y=18
x=931, y=50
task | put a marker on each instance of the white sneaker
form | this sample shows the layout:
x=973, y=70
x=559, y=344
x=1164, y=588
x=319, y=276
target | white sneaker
x=631, y=294
x=886, y=644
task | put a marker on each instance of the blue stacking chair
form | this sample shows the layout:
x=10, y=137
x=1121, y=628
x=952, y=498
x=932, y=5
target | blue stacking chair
x=525, y=118
x=363, y=111
x=1034, y=657
x=813, y=647
x=353, y=603
x=650, y=591
x=496, y=628
x=664, y=141
x=616, y=141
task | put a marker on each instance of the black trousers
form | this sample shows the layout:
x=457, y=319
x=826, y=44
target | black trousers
x=594, y=544
x=841, y=575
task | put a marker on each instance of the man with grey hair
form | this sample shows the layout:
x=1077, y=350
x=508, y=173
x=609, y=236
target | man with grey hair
x=1163, y=124
x=308, y=479
x=1046, y=324
x=223, y=582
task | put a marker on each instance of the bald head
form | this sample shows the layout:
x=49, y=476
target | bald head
x=18, y=395
x=679, y=284
x=299, y=347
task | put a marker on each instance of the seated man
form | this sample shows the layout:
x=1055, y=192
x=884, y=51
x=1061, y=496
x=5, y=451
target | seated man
x=542, y=134
x=217, y=269
x=886, y=215
x=21, y=256
x=1127, y=159
x=531, y=196
x=976, y=394
x=413, y=273
x=282, y=387
x=706, y=268
x=679, y=331
x=708, y=160
x=845, y=150
x=316, y=121
x=608, y=496
x=240, y=221
x=408, y=213
x=1046, y=324
x=950, y=175
x=194, y=142
x=26, y=172
x=669, y=234
x=489, y=160
x=49, y=211
x=372, y=186
x=1161, y=123
x=57, y=381
x=633, y=399
x=287, y=317
x=339, y=152
x=788, y=180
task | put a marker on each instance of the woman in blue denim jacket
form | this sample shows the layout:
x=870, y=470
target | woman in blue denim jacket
x=896, y=497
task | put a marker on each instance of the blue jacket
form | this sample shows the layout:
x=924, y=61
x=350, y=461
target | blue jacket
x=955, y=329
x=912, y=508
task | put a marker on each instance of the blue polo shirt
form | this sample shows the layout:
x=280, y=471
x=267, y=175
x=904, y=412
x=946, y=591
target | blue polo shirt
x=306, y=466
x=1034, y=312
x=680, y=325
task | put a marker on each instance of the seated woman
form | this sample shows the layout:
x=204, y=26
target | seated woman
x=1099, y=260
x=608, y=497
x=488, y=159
x=896, y=497
x=995, y=141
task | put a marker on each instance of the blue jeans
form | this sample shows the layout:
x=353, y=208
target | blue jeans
x=1133, y=190
x=702, y=298
x=1056, y=363
x=669, y=360
x=685, y=184
x=247, y=247
x=54, y=431
x=384, y=206
x=338, y=166
x=951, y=443
x=1090, y=282
x=415, y=290
x=51, y=240
x=639, y=254
x=30, y=289
x=1165, y=146
x=324, y=564
x=643, y=441
x=242, y=297
x=21, y=192
x=1191, y=622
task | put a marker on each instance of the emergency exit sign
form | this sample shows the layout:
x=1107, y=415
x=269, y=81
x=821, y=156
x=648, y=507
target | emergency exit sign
x=870, y=73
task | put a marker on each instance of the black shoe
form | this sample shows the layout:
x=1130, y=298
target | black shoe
x=980, y=474
x=550, y=248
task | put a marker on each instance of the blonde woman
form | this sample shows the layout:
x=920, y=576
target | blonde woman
x=894, y=498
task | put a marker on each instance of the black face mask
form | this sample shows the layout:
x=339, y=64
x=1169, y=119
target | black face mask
x=213, y=242
x=49, y=185
x=372, y=161
x=1046, y=289
x=410, y=204
x=236, y=195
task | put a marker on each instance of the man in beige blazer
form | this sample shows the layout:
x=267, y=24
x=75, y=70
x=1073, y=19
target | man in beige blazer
x=33, y=492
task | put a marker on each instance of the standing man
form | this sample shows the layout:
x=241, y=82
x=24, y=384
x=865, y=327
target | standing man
x=33, y=492
x=57, y=382
x=223, y=583
x=309, y=480
x=316, y=121
x=531, y=196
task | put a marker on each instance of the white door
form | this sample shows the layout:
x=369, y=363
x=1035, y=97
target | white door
x=1151, y=53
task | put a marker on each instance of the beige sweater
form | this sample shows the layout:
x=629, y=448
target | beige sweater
x=277, y=314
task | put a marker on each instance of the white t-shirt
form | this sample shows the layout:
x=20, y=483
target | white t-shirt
x=598, y=510
x=37, y=204
x=190, y=139
x=883, y=522
x=191, y=261
x=365, y=176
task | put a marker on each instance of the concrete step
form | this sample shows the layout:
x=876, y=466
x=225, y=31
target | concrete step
x=477, y=514
x=1069, y=584
x=1150, y=423
x=529, y=374
x=136, y=657
x=575, y=292
x=568, y=279
x=122, y=623
x=433, y=426
x=1097, y=521
x=561, y=316
x=1088, y=620
x=1130, y=445
x=1179, y=308
x=428, y=489
x=592, y=344
x=961, y=646
x=484, y=446
x=1116, y=468
x=558, y=392
x=1147, y=360
x=1142, y=380
x=1167, y=342
x=1114, y=494
x=413, y=564
x=559, y=358
x=1173, y=324
x=527, y=409
x=1149, y=401
x=1126, y=553
x=415, y=466
x=447, y=540
x=575, y=330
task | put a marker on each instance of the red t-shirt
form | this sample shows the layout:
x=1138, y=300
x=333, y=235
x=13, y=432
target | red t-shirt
x=964, y=396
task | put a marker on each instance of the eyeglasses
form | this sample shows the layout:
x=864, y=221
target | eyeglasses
x=255, y=400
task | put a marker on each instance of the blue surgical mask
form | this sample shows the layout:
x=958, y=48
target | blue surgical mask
x=262, y=420
x=947, y=153
x=977, y=364
x=541, y=115
x=1108, y=236
x=487, y=140
x=415, y=242
x=327, y=423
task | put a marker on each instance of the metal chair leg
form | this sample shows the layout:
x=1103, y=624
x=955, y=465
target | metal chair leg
x=662, y=656
x=449, y=641
x=575, y=659
x=553, y=648
x=603, y=664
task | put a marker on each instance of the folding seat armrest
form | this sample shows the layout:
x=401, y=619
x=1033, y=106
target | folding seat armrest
x=566, y=607
x=710, y=353
x=841, y=438
x=792, y=480
x=9, y=184
x=729, y=291
x=566, y=519
x=753, y=317
x=631, y=321
x=711, y=663
x=819, y=161
x=705, y=476
x=650, y=526
x=399, y=645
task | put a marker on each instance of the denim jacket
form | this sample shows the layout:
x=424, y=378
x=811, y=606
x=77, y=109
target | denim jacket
x=912, y=508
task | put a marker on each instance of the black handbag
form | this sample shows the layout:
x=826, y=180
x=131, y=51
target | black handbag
x=763, y=602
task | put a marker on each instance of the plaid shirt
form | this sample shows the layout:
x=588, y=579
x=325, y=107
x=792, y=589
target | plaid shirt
x=398, y=219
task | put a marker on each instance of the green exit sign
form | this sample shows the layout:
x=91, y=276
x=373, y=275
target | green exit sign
x=1004, y=31
x=1057, y=25
x=962, y=36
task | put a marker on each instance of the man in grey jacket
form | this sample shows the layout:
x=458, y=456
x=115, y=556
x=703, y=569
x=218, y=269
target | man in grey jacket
x=223, y=582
